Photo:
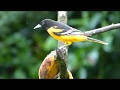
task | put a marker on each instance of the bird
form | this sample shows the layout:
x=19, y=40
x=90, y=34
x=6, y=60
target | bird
x=65, y=33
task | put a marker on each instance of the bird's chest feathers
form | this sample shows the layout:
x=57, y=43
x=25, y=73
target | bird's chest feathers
x=69, y=38
x=51, y=30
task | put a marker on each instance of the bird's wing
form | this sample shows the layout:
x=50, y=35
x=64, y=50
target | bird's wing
x=72, y=31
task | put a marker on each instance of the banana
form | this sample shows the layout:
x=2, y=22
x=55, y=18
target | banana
x=49, y=68
x=69, y=74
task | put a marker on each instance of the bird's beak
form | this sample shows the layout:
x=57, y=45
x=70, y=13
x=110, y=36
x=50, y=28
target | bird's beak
x=38, y=26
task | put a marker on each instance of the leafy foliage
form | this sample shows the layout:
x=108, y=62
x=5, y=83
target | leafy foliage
x=22, y=49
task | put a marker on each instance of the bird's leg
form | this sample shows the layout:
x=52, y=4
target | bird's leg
x=63, y=48
x=65, y=45
x=68, y=43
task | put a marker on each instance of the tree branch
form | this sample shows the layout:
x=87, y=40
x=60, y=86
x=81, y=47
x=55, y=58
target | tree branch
x=62, y=50
x=62, y=64
x=62, y=17
x=103, y=29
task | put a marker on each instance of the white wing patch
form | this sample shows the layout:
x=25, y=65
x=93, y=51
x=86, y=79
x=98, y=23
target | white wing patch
x=71, y=32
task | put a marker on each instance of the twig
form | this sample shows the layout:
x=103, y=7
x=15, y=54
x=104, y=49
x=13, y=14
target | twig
x=103, y=29
x=62, y=17
x=62, y=64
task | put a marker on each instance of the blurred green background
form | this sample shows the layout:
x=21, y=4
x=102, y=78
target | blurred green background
x=22, y=49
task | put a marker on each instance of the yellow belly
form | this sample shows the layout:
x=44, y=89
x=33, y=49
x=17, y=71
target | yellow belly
x=65, y=38
x=78, y=38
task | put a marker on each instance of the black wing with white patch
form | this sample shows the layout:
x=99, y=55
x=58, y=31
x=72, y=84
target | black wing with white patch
x=72, y=31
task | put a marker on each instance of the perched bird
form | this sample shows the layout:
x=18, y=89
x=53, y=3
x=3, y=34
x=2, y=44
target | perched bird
x=65, y=33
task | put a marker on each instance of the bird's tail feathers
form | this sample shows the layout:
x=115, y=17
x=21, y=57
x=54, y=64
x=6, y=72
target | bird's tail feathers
x=96, y=40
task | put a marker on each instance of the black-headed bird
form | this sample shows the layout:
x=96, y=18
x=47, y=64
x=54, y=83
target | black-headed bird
x=65, y=33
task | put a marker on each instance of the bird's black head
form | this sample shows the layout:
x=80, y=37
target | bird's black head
x=47, y=23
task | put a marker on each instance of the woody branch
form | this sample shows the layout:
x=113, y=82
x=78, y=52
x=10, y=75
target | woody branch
x=62, y=62
x=103, y=29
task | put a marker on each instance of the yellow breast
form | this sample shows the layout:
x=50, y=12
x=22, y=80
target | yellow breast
x=66, y=38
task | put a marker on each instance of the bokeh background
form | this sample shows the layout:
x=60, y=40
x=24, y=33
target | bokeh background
x=22, y=49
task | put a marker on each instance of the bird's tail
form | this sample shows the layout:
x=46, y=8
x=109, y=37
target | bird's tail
x=96, y=40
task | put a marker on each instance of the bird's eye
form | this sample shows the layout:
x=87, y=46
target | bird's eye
x=42, y=23
x=55, y=27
